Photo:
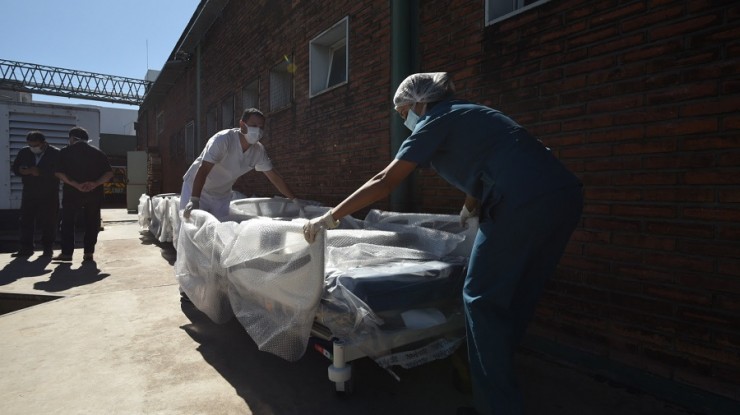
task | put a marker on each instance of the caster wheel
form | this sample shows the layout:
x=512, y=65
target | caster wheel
x=344, y=388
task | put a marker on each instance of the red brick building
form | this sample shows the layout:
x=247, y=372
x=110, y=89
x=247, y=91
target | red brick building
x=641, y=99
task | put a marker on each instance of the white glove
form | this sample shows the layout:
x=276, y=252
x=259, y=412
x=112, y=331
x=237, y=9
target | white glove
x=298, y=204
x=465, y=214
x=194, y=203
x=313, y=226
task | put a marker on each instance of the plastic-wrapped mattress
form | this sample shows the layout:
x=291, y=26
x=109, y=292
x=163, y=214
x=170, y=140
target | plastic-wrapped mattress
x=354, y=280
x=402, y=285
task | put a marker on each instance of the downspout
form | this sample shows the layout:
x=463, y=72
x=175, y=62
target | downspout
x=197, y=132
x=404, y=62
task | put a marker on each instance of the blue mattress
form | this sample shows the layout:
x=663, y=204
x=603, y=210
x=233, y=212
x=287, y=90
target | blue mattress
x=404, y=285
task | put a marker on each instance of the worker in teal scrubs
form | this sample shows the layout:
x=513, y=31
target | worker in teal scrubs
x=528, y=204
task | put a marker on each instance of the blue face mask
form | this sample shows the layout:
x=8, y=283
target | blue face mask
x=411, y=120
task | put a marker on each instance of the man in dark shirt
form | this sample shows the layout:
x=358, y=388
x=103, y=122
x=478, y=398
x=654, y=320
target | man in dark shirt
x=83, y=169
x=36, y=164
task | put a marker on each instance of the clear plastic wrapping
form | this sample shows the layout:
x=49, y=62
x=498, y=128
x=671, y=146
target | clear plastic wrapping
x=368, y=281
x=144, y=212
x=198, y=268
x=161, y=225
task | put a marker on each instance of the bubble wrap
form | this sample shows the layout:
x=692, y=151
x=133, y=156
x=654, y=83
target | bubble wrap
x=399, y=261
x=198, y=266
x=275, y=283
x=261, y=270
x=143, y=211
x=161, y=225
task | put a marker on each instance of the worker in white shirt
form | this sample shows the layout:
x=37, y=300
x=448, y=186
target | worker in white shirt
x=228, y=155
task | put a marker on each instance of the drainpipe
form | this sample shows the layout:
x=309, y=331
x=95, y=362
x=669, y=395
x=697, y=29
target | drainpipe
x=404, y=62
x=197, y=133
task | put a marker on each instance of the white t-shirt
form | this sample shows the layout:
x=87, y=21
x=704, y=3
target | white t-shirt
x=224, y=150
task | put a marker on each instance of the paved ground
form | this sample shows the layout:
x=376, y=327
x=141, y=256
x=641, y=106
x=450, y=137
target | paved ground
x=119, y=341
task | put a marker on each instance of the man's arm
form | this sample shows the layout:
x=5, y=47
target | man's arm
x=89, y=186
x=378, y=187
x=21, y=163
x=200, y=178
x=279, y=183
x=65, y=179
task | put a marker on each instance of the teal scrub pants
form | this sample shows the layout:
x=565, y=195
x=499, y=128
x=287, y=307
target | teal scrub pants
x=516, y=252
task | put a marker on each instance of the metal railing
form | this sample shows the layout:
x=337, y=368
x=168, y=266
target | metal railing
x=70, y=83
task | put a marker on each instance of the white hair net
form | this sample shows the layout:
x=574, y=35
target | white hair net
x=424, y=87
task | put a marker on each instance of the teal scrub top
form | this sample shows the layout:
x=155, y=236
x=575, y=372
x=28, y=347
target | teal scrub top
x=485, y=154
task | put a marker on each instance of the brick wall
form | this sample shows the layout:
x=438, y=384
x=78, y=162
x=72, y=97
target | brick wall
x=324, y=147
x=641, y=100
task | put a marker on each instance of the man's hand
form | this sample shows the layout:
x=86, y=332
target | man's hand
x=313, y=226
x=194, y=203
x=29, y=171
x=88, y=186
x=466, y=214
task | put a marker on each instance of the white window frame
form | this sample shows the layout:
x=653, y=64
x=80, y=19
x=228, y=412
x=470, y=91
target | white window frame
x=517, y=6
x=322, y=57
x=281, y=85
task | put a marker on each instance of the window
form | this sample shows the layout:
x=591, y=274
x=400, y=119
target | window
x=190, y=149
x=211, y=122
x=497, y=10
x=281, y=85
x=227, y=112
x=251, y=95
x=328, y=58
x=173, y=146
x=181, y=143
x=160, y=125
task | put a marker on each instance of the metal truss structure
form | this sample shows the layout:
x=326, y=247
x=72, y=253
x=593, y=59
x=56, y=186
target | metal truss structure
x=70, y=83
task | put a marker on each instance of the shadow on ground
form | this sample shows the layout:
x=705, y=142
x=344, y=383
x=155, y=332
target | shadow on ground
x=65, y=277
x=271, y=385
x=166, y=249
x=21, y=267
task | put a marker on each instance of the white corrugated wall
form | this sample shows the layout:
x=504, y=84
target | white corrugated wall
x=54, y=121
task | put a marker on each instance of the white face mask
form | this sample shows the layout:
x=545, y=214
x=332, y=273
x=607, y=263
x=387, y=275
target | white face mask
x=36, y=150
x=253, y=134
x=411, y=120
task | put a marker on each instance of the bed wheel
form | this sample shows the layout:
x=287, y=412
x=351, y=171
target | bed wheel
x=344, y=388
x=342, y=378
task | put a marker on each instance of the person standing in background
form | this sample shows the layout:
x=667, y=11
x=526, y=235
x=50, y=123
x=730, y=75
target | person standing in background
x=83, y=169
x=36, y=165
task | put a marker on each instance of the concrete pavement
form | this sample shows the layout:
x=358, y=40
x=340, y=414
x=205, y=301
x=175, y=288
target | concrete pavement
x=117, y=340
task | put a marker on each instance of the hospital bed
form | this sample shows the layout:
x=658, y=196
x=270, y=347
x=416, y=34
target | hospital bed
x=159, y=215
x=387, y=287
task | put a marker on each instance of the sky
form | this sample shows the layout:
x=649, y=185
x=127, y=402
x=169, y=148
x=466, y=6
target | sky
x=120, y=37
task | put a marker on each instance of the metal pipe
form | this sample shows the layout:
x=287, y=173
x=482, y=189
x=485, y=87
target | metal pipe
x=404, y=62
x=197, y=131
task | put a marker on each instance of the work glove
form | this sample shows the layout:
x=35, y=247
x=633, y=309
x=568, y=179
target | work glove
x=299, y=205
x=313, y=226
x=465, y=214
x=194, y=203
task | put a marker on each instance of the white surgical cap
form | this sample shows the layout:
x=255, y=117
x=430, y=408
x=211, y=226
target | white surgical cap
x=424, y=87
